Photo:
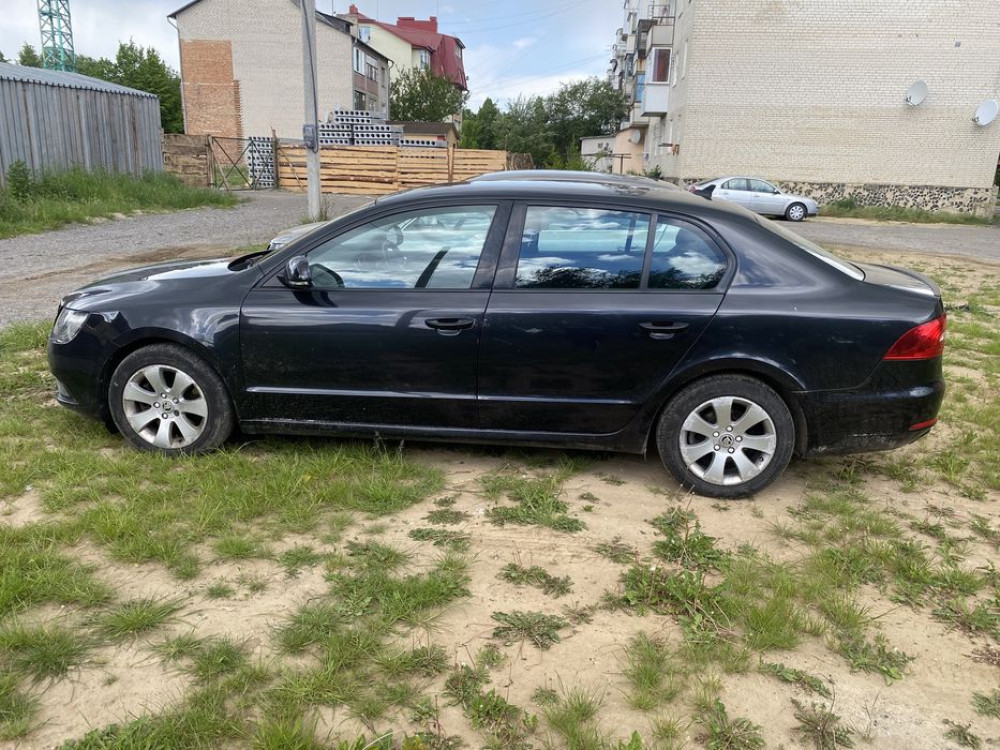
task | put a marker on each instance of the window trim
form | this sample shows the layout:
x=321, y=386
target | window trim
x=482, y=279
x=506, y=270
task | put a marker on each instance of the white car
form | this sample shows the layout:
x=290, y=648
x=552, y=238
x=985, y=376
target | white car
x=757, y=195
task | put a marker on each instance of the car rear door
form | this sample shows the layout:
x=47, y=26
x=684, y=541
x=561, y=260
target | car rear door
x=389, y=332
x=592, y=308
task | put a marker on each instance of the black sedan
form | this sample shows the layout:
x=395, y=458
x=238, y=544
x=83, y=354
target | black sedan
x=607, y=315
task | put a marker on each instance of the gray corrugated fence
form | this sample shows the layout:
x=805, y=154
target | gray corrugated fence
x=52, y=120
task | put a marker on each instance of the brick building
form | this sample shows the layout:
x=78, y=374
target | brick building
x=812, y=94
x=241, y=68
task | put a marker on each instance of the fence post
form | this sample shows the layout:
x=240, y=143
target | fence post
x=274, y=159
x=451, y=163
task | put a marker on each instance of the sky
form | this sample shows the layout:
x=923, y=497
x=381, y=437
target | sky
x=513, y=47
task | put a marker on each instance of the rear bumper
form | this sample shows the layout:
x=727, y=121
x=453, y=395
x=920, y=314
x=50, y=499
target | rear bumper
x=881, y=415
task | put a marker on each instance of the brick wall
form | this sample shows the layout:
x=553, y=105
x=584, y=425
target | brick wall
x=265, y=42
x=813, y=91
x=211, y=93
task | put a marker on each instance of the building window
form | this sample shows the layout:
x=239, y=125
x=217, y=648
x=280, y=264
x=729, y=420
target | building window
x=359, y=61
x=365, y=33
x=370, y=70
x=661, y=65
x=360, y=102
x=640, y=85
x=425, y=58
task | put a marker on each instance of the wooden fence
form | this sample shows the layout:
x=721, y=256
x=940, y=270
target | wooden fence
x=378, y=170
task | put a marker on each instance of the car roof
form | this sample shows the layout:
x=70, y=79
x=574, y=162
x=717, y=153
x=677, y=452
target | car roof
x=738, y=177
x=650, y=194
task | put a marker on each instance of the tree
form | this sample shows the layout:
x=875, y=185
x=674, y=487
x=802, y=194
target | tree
x=2, y=58
x=28, y=57
x=420, y=95
x=142, y=68
x=488, y=116
x=588, y=107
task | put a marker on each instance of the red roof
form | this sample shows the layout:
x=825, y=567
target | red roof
x=445, y=50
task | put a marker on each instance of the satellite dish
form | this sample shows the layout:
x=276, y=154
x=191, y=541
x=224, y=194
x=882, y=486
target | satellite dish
x=635, y=137
x=917, y=93
x=986, y=113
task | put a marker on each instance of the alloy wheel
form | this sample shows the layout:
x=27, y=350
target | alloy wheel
x=165, y=407
x=727, y=440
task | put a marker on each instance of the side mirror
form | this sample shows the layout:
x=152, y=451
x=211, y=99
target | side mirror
x=297, y=273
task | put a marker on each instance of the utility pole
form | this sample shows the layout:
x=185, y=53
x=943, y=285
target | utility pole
x=310, y=129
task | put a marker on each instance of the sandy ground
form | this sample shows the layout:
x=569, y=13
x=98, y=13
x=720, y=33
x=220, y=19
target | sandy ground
x=120, y=683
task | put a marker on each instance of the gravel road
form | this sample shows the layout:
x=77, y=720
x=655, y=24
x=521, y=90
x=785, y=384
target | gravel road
x=37, y=270
x=980, y=242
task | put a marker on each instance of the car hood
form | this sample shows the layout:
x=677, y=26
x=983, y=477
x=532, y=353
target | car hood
x=145, y=279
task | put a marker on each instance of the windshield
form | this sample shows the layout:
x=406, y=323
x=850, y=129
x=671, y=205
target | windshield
x=813, y=249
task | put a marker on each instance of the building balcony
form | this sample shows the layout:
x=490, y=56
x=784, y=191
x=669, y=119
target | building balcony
x=655, y=99
x=659, y=36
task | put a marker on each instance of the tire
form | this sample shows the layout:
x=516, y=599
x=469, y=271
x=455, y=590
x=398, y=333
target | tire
x=196, y=415
x=796, y=212
x=686, y=436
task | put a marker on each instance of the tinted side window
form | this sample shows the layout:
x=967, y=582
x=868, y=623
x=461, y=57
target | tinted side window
x=581, y=248
x=684, y=258
x=429, y=248
x=759, y=186
x=738, y=184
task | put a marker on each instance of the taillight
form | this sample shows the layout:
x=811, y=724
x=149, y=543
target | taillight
x=926, y=341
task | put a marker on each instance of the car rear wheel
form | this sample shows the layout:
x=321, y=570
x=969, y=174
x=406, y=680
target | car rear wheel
x=726, y=436
x=795, y=212
x=164, y=398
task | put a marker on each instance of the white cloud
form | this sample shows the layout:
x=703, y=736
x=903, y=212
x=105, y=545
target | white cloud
x=523, y=42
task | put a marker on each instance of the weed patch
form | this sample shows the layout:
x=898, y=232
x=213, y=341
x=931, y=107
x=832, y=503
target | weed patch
x=537, y=499
x=539, y=629
x=537, y=577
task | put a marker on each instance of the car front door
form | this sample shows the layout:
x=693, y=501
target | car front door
x=388, y=332
x=736, y=190
x=591, y=310
x=765, y=198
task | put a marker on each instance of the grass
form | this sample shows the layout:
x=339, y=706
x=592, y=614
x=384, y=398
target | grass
x=537, y=501
x=42, y=652
x=452, y=540
x=16, y=709
x=849, y=208
x=617, y=551
x=652, y=671
x=129, y=619
x=78, y=196
x=537, y=577
x=987, y=705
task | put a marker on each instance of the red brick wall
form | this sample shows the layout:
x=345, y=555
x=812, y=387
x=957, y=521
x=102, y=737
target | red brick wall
x=211, y=94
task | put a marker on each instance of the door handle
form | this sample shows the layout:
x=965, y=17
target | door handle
x=449, y=326
x=663, y=331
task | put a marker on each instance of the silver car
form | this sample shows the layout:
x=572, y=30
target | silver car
x=758, y=195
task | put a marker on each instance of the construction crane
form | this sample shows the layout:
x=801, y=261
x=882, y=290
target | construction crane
x=57, y=35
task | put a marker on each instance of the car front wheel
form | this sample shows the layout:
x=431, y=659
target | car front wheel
x=795, y=212
x=164, y=398
x=726, y=436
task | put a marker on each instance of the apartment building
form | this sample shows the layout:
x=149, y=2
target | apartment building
x=241, y=68
x=813, y=95
x=413, y=43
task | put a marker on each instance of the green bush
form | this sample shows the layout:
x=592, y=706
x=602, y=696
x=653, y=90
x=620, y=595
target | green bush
x=19, y=181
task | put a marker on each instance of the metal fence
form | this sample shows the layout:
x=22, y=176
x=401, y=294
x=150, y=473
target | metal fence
x=53, y=120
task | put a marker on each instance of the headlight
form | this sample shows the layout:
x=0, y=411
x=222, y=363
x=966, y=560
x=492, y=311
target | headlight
x=68, y=324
